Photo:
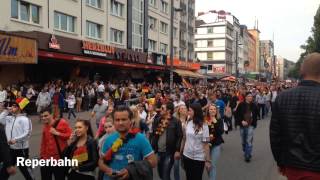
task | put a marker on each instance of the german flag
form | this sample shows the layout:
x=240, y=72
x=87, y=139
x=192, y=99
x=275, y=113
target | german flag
x=22, y=102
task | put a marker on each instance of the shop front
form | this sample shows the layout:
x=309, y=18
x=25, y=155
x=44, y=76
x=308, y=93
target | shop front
x=15, y=53
x=186, y=72
x=68, y=59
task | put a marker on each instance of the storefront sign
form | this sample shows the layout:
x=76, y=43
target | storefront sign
x=219, y=69
x=15, y=49
x=184, y=64
x=53, y=44
x=97, y=49
x=131, y=56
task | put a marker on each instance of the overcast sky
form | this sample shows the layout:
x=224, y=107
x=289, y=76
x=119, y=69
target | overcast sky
x=290, y=20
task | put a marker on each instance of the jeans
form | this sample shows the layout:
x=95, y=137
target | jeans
x=261, y=108
x=176, y=169
x=215, y=153
x=247, y=138
x=165, y=163
x=71, y=111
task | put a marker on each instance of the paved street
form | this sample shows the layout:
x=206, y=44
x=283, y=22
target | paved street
x=231, y=165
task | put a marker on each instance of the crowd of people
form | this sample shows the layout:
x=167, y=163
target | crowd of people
x=139, y=127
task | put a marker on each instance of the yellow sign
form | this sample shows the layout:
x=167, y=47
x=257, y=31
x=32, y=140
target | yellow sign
x=15, y=49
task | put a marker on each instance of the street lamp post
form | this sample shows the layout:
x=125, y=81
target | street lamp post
x=171, y=41
x=237, y=43
x=171, y=44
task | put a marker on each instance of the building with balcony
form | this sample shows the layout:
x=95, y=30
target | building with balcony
x=82, y=34
x=267, y=57
x=214, y=44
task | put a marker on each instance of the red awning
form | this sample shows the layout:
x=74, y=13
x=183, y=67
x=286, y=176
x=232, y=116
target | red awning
x=68, y=57
x=229, y=78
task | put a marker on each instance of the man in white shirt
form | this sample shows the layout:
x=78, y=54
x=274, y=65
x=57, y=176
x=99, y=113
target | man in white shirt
x=3, y=94
x=274, y=95
x=101, y=89
x=261, y=101
x=43, y=100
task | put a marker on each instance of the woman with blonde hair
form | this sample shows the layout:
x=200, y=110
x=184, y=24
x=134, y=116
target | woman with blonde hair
x=182, y=116
x=137, y=121
x=215, y=124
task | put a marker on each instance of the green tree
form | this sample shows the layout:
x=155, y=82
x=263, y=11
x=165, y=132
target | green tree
x=312, y=45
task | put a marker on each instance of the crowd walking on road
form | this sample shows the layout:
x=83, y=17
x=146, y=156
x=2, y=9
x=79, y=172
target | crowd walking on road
x=142, y=126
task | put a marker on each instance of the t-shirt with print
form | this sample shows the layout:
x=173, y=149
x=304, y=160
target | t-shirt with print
x=81, y=154
x=136, y=149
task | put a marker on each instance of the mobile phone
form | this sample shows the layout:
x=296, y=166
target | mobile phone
x=115, y=173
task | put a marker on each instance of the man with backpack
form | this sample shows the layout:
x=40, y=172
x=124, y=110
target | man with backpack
x=55, y=134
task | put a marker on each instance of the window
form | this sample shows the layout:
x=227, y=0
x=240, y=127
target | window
x=229, y=31
x=210, y=43
x=137, y=23
x=219, y=55
x=153, y=3
x=94, y=3
x=202, y=56
x=219, y=43
x=210, y=30
x=64, y=22
x=175, y=32
x=229, y=44
x=201, y=43
x=163, y=48
x=116, y=8
x=202, y=31
x=152, y=23
x=209, y=67
x=25, y=11
x=93, y=30
x=116, y=36
x=152, y=45
x=219, y=30
x=209, y=55
x=164, y=7
x=164, y=27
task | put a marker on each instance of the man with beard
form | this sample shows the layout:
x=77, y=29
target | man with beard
x=166, y=139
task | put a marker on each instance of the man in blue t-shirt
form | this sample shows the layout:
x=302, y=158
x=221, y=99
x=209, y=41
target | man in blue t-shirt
x=135, y=147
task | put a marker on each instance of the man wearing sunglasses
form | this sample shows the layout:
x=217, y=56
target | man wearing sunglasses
x=18, y=129
x=166, y=139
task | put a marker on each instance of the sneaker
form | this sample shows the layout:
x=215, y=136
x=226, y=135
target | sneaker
x=247, y=159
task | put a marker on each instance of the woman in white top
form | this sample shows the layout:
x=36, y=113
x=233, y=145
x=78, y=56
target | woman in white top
x=196, y=152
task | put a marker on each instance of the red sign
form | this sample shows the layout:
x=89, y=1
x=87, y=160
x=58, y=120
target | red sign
x=97, y=49
x=184, y=64
x=219, y=69
x=53, y=44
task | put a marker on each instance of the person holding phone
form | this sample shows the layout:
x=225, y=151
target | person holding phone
x=83, y=148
